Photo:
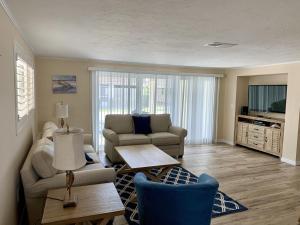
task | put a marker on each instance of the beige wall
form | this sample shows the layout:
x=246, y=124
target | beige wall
x=230, y=99
x=13, y=147
x=227, y=101
x=268, y=79
x=79, y=104
x=234, y=83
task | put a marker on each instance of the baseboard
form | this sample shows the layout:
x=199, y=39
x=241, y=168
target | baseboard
x=224, y=141
x=289, y=161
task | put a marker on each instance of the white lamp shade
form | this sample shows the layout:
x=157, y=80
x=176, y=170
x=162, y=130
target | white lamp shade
x=62, y=110
x=68, y=151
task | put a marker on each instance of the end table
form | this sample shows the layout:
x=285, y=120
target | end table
x=97, y=203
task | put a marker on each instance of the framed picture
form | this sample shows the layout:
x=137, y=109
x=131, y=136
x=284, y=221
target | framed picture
x=64, y=84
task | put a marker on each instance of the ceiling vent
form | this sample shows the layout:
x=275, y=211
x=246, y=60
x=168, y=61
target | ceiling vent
x=220, y=45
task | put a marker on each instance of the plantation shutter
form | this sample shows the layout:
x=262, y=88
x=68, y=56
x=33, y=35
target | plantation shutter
x=30, y=88
x=24, y=88
x=21, y=86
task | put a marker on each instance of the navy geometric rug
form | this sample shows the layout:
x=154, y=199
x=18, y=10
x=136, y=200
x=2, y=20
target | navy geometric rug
x=223, y=204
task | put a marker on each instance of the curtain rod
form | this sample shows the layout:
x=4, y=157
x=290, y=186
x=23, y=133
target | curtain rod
x=153, y=72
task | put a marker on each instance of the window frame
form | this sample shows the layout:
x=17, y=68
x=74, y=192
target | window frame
x=19, y=52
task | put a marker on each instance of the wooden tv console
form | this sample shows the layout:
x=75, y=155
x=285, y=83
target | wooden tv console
x=263, y=134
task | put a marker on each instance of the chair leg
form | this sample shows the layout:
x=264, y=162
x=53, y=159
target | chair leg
x=180, y=156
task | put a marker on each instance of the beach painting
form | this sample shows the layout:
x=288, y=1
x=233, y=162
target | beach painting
x=64, y=84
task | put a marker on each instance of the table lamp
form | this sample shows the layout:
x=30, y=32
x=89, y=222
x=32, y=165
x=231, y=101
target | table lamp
x=62, y=112
x=68, y=156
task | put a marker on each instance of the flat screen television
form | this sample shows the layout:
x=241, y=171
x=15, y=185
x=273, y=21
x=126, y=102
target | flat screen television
x=267, y=98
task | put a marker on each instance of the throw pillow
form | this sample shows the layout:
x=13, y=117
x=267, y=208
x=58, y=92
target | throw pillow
x=49, y=134
x=88, y=159
x=142, y=124
x=94, y=156
x=42, y=159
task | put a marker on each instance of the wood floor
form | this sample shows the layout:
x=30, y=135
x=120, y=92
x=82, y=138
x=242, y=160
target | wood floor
x=269, y=188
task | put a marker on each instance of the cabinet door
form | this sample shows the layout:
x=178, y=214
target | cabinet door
x=276, y=141
x=239, y=133
x=245, y=134
x=272, y=140
x=268, y=140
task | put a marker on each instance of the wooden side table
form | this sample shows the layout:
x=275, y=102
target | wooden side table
x=97, y=203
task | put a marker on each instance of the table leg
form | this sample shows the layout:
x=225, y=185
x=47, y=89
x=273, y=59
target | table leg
x=124, y=169
x=103, y=221
x=163, y=172
x=150, y=176
x=159, y=176
x=133, y=197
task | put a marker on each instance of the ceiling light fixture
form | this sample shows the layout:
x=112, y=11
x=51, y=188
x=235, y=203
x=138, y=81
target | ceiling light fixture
x=220, y=45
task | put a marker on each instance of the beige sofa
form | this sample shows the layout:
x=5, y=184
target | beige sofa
x=36, y=188
x=119, y=131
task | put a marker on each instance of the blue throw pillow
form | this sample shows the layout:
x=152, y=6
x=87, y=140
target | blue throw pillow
x=142, y=124
x=88, y=159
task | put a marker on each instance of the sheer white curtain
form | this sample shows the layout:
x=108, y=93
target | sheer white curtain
x=191, y=100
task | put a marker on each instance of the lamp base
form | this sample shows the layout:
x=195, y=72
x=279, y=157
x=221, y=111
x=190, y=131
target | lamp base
x=70, y=202
x=62, y=122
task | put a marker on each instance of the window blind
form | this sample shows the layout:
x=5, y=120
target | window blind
x=24, y=88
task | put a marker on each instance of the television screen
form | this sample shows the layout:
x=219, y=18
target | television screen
x=267, y=98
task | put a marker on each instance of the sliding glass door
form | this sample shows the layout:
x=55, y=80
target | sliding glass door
x=191, y=100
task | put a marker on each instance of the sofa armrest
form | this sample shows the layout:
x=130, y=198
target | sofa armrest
x=85, y=177
x=88, y=139
x=111, y=136
x=181, y=132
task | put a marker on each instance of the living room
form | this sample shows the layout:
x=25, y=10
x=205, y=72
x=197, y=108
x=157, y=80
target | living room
x=214, y=86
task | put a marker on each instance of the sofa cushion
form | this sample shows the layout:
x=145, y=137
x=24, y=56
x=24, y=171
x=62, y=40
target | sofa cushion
x=142, y=124
x=160, y=122
x=133, y=139
x=49, y=125
x=88, y=159
x=42, y=159
x=93, y=166
x=88, y=149
x=164, y=138
x=48, y=130
x=94, y=156
x=121, y=124
x=91, y=158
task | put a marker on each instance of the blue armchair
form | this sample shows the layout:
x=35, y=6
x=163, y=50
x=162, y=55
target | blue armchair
x=165, y=204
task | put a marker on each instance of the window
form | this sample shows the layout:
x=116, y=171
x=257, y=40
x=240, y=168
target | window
x=24, y=90
x=191, y=100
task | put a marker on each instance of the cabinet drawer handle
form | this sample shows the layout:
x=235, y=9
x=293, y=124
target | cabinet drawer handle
x=256, y=129
x=255, y=144
x=255, y=136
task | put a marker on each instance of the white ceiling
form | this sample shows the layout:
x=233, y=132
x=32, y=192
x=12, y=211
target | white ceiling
x=163, y=31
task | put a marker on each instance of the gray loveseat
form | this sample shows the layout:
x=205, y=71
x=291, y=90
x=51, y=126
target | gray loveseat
x=119, y=131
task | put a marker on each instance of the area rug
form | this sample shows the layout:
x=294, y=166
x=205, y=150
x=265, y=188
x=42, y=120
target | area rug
x=223, y=204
